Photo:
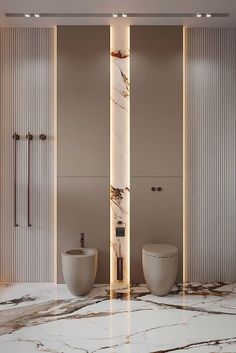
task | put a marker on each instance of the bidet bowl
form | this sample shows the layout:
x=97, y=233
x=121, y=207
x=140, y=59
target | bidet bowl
x=79, y=267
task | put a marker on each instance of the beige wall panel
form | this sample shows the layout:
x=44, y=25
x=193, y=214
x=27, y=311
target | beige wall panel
x=27, y=104
x=211, y=92
x=156, y=217
x=83, y=100
x=156, y=140
x=156, y=100
x=83, y=206
x=83, y=141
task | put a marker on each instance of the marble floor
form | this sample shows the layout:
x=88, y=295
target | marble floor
x=201, y=318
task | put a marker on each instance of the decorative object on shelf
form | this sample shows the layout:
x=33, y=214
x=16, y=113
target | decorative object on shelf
x=119, y=275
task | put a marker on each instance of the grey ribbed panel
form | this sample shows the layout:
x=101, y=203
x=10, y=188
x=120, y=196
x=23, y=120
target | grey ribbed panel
x=27, y=104
x=211, y=114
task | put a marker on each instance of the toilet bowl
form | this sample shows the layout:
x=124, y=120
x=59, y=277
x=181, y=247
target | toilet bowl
x=160, y=266
x=79, y=267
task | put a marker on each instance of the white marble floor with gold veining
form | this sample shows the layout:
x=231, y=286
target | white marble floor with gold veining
x=201, y=318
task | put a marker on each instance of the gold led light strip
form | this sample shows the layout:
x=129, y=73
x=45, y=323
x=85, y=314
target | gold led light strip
x=119, y=155
x=55, y=152
x=185, y=218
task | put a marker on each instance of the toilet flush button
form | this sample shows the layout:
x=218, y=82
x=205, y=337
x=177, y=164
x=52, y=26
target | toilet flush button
x=153, y=188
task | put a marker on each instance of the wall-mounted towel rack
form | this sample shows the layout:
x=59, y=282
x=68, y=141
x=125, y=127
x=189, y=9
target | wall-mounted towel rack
x=16, y=137
x=29, y=138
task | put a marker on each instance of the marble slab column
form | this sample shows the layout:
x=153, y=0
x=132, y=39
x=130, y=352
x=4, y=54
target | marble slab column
x=119, y=149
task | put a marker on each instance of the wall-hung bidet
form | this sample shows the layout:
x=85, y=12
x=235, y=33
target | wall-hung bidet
x=79, y=267
x=160, y=265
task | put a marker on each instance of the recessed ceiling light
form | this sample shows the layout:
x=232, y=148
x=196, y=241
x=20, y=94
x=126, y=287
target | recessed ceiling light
x=198, y=15
x=208, y=15
x=37, y=15
x=124, y=14
x=115, y=15
x=27, y=15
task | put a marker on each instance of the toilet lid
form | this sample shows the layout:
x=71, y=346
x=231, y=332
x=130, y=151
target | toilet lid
x=160, y=250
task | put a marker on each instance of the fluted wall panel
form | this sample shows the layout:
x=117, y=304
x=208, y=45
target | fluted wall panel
x=211, y=151
x=27, y=104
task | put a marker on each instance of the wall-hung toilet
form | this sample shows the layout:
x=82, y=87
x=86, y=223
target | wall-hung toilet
x=160, y=266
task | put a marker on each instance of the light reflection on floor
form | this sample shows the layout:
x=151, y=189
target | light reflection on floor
x=47, y=318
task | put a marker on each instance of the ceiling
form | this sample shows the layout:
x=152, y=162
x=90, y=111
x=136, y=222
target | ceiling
x=118, y=6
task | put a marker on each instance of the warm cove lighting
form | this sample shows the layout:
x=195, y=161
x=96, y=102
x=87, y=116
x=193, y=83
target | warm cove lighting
x=185, y=158
x=119, y=155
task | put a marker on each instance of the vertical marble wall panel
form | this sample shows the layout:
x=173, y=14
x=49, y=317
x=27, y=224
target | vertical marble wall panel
x=211, y=148
x=119, y=149
x=27, y=104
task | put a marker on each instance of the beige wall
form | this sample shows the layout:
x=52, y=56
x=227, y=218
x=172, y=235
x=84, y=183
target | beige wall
x=211, y=87
x=156, y=140
x=27, y=104
x=83, y=141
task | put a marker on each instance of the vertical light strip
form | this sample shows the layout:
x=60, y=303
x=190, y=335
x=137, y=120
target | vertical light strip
x=128, y=161
x=185, y=218
x=55, y=153
x=111, y=154
x=119, y=150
